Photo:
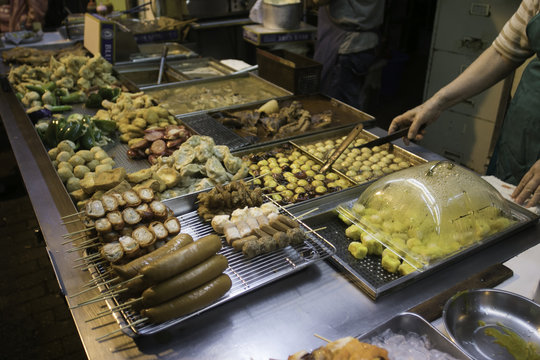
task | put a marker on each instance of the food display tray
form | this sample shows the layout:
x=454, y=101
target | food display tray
x=343, y=116
x=246, y=274
x=198, y=87
x=146, y=74
x=368, y=273
x=406, y=322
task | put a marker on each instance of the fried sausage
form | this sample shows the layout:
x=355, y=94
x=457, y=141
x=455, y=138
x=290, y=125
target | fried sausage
x=131, y=216
x=94, y=209
x=158, y=229
x=131, y=269
x=278, y=225
x=109, y=203
x=146, y=213
x=116, y=220
x=176, y=262
x=172, y=225
x=189, y=302
x=288, y=221
x=103, y=225
x=186, y=281
x=146, y=194
x=143, y=236
x=238, y=244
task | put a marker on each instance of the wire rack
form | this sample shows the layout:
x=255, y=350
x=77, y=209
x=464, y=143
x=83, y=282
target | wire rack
x=246, y=274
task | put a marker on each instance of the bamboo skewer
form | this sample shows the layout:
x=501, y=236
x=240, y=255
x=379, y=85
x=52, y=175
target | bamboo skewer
x=70, y=222
x=113, y=309
x=75, y=239
x=74, y=214
x=93, y=287
x=89, y=257
x=322, y=338
x=306, y=213
x=82, y=247
x=104, y=296
x=140, y=321
x=65, y=236
x=94, y=264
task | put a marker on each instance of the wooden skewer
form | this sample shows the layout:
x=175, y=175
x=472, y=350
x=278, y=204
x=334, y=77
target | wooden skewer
x=74, y=214
x=322, y=338
x=82, y=247
x=78, y=232
x=101, y=297
x=74, y=239
x=90, y=257
x=140, y=321
x=70, y=222
x=116, y=308
x=306, y=213
x=93, y=287
x=94, y=265
x=318, y=229
x=256, y=177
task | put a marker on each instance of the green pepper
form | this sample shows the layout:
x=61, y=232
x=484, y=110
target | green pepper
x=49, y=137
x=72, y=128
x=58, y=108
x=50, y=86
x=87, y=141
x=73, y=98
x=19, y=95
x=37, y=88
x=105, y=125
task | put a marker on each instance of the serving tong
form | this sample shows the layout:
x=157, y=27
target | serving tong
x=352, y=135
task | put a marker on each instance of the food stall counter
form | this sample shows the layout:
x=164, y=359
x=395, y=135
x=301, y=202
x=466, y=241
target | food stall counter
x=271, y=322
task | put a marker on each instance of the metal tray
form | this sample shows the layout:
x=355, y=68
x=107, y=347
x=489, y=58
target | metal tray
x=246, y=274
x=368, y=273
x=151, y=52
x=197, y=88
x=147, y=74
x=344, y=116
x=412, y=323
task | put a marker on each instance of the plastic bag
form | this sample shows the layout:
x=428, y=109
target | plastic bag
x=256, y=12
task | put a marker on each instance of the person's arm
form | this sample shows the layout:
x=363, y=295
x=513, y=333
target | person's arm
x=488, y=69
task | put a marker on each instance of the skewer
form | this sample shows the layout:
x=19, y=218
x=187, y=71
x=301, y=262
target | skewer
x=78, y=232
x=94, y=264
x=85, y=266
x=90, y=257
x=70, y=222
x=315, y=230
x=74, y=214
x=101, y=297
x=256, y=177
x=306, y=213
x=322, y=338
x=140, y=321
x=93, y=287
x=113, y=309
x=82, y=247
x=88, y=241
x=75, y=239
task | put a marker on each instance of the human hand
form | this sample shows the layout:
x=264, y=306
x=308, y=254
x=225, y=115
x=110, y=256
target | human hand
x=418, y=118
x=529, y=187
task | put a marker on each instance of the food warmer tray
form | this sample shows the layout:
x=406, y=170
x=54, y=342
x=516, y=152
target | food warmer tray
x=151, y=52
x=407, y=322
x=368, y=273
x=146, y=74
x=246, y=274
x=345, y=117
x=275, y=91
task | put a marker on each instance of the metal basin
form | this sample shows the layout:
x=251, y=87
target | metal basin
x=468, y=315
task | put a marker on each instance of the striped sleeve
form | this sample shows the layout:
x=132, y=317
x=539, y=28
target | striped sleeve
x=512, y=41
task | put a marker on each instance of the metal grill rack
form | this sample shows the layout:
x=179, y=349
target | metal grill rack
x=246, y=274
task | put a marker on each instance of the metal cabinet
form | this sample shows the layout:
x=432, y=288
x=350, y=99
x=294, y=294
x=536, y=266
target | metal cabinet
x=463, y=29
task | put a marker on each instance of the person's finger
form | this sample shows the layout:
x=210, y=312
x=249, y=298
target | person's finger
x=524, y=180
x=535, y=199
x=530, y=189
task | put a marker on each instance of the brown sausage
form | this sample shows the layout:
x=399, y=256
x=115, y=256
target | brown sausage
x=158, y=147
x=278, y=225
x=189, y=302
x=186, y=281
x=288, y=221
x=179, y=261
x=238, y=244
x=131, y=269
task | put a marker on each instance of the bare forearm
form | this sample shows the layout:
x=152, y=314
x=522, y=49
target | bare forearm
x=488, y=69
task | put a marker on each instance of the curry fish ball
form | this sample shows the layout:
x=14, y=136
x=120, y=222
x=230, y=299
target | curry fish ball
x=332, y=176
x=351, y=173
x=76, y=160
x=73, y=184
x=302, y=182
x=263, y=162
x=80, y=170
x=53, y=153
x=85, y=154
x=281, y=188
x=291, y=186
x=319, y=177
x=100, y=155
x=65, y=173
x=387, y=170
x=317, y=183
x=393, y=167
x=375, y=167
x=315, y=167
x=253, y=167
x=65, y=164
x=320, y=189
x=299, y=190
x=403, y=164
x=378, y=173
x=63, y=156
x=366, y=150
x=310, y=173
x=342, y=183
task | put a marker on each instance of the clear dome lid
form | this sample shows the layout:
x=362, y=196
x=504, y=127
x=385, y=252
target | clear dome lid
x=430, y=211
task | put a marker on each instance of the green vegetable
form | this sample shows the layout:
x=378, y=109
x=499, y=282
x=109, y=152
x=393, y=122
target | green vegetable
x=72, y=130
x=87, y=141
x=50, y=86
x=94, y=101
x=37, y=88
x=107, y=126
x=109, y=93
x=49, y=137
x=61, y=92
x=73, y=98
x=19, y=95
x=58, y=108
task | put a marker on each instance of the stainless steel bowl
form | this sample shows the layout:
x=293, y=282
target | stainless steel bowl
x=469, y=314
x=282, y=17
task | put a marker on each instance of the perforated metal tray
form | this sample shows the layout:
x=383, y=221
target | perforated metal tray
x=368, y=273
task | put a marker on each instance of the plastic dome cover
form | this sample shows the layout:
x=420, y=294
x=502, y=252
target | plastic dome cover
x=431, y=211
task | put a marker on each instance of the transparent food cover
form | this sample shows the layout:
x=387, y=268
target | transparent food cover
x=429, y=212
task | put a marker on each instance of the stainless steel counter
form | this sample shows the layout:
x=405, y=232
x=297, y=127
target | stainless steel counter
x=271, y=322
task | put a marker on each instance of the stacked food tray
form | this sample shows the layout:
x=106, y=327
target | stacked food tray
x=367, y=273
x=246, y=274
x=238, y=120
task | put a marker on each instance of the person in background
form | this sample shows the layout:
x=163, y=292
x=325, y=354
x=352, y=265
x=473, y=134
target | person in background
x=516, y=156
x=347, y=39
x=18, y=15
